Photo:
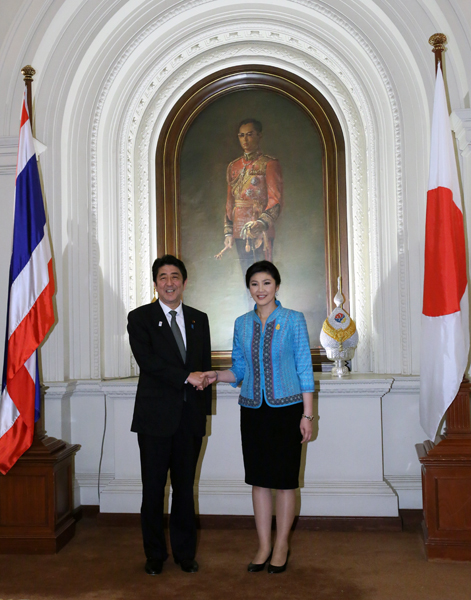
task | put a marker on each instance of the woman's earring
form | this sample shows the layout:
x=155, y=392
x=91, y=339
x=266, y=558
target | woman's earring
x=154, y=299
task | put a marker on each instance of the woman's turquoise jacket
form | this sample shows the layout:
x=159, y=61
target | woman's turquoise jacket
x=275, y=362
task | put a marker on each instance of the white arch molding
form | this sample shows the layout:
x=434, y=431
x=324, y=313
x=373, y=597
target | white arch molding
x=286, y=58
x=129, y=111
x=161, y=89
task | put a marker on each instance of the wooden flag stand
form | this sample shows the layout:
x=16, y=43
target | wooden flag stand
x=446, y=484
x=36, y=498
x=36, y=495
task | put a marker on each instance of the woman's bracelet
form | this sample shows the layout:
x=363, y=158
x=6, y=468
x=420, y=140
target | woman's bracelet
x=308, y=417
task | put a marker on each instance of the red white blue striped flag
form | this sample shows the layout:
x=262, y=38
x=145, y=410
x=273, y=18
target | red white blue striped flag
x=30, y=313
x=445, y=321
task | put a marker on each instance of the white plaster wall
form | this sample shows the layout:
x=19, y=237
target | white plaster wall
x=107, y=76
x=342, y=474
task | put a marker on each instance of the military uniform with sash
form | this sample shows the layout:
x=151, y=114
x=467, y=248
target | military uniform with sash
x=254, y=202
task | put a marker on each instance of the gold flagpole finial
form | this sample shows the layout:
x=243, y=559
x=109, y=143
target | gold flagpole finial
x=28, y=72
x=438, y=41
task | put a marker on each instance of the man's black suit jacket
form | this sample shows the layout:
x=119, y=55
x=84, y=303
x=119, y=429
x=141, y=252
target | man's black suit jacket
x=161, y=390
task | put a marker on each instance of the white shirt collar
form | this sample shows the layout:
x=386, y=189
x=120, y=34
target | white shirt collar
x=167, y=309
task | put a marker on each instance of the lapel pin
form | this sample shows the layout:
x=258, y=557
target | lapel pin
x=192, y=324
x=160, y=323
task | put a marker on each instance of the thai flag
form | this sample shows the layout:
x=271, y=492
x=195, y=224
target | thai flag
x=30, y=313
x=445, y=321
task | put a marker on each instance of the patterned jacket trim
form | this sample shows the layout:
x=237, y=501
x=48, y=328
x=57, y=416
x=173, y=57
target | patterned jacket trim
x=249, y=403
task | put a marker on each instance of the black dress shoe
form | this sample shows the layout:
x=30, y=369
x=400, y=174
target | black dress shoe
x=257, y=567
x=274, y=569
x=189, y=565
x=154, y=566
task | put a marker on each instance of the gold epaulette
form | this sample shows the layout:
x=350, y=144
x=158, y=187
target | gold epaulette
x=234, y=161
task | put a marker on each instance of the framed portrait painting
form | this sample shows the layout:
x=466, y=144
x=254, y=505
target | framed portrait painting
x=212, y=183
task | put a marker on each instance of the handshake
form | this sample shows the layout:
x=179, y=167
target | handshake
x=200, y=379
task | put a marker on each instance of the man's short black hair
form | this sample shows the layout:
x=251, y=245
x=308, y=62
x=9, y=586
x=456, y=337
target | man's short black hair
x=168, y=259
x=256, y=124
x=262, y=266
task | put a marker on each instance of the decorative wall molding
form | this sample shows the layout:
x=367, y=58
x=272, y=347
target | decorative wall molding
x=356, y=385
x=222, y=497
x=232, y=42
x=87, y=484
x=8, y=155
x=408, y=489
x=461, y=123
x=57, y=390
x=405, y=330
x=133, y=91
x=406, y=385
x=313, y=72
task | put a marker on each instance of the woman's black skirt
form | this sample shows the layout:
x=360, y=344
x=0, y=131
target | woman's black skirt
x=271, y=445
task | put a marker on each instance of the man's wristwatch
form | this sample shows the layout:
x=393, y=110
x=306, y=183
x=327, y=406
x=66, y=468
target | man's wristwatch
x=308, y=417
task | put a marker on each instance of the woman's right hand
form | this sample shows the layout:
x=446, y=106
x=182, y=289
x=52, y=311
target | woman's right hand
x=225, y=376
x=306, y=430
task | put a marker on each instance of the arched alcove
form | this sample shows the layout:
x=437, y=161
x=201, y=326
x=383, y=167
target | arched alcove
x=149, y=111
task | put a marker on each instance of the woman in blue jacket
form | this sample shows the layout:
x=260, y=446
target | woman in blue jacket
x=272, y=358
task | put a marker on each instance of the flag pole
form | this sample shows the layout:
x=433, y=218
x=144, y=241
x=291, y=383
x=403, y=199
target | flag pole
x=458, y=418
x=28, y=73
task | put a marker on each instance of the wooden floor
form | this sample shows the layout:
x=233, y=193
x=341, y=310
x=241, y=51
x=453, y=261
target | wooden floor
x=106, y=561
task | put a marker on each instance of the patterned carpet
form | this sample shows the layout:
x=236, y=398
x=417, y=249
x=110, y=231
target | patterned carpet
x=107, y=562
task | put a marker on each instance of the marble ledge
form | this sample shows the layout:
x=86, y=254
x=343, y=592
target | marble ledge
x=369, y=384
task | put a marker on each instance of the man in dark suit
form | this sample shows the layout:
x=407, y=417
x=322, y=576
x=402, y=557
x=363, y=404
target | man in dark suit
x=171, y=344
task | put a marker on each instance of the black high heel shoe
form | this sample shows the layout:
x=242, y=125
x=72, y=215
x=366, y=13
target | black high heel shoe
x=257, y=567
x=274, y=569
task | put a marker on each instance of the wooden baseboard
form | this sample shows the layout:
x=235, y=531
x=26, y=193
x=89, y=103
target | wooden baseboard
x=348, y=523
x=410, y=519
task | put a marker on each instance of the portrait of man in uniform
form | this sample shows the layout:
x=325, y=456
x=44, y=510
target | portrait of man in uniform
x=254, y=198
x=251, y=187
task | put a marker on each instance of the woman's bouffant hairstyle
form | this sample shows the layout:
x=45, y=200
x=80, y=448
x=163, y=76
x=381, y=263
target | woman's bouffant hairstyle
x=262, y=266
